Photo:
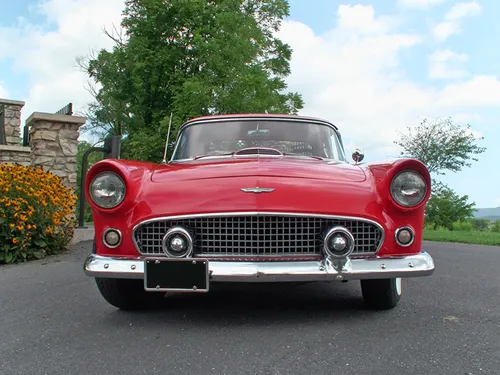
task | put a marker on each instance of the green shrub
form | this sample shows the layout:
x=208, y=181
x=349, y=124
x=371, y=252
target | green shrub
x=481, y=224
x=36, y=213
x=463, y=226
x=496, y=227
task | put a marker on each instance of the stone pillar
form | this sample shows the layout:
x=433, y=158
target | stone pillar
x=12, y=120
x=54, y=144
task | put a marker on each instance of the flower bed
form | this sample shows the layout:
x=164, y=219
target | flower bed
x=36, y=213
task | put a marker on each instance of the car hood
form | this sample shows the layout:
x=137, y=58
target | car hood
x=258, y=167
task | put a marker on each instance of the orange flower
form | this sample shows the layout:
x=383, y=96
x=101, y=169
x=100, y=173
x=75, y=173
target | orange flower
x=37, y=204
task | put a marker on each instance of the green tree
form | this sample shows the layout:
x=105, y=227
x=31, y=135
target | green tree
x=446, y=207
x=189, y=58
x=441, y=145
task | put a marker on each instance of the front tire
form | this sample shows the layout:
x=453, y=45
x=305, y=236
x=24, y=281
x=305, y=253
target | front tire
x=128, y=294
x=381, y=294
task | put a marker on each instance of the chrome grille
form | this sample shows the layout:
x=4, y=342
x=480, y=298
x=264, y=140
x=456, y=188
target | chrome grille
x=258, y=235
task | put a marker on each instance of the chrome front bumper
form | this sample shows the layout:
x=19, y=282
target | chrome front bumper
x=321, y=270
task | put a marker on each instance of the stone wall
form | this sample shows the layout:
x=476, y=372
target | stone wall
x=12, y=120
x=53, y=141
x=18, y=154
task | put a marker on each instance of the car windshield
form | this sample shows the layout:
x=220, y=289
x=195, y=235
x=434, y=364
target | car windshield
x=299, y=138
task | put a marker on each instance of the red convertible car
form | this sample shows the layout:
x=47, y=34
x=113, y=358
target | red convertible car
x=260, y=199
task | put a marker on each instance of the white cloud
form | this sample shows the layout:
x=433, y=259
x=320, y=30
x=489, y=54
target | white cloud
x=47, y=57
x=461, y=10
x=468, y=117
x=355, y=79
x=452, y=23
x=480, y=91
x=446, y=64
x=360, y=18
x=419, y=3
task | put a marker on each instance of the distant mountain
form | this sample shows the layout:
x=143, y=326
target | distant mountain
x=492, y=214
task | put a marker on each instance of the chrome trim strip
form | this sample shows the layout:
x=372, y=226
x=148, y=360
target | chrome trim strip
x=417, y=265
x=264, y=256
x=259, y=117
x=257, y=213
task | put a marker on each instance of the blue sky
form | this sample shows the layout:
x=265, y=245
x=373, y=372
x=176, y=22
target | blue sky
x=373, y=67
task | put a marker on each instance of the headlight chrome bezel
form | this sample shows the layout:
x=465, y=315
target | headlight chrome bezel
x=92, y=189
x=409, y=203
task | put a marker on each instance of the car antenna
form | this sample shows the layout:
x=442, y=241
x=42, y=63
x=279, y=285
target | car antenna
x=164, y=161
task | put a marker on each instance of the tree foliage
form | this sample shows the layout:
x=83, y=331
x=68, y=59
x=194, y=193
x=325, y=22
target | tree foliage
x=441, y=145
x=446, y=207
x=189, y=58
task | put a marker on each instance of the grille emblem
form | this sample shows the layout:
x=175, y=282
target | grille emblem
x=257, y=190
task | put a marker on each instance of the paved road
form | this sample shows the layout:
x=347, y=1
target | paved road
x=53, y=321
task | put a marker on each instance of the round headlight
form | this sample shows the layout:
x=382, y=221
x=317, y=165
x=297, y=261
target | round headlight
x=107, y=190
x=408, y=188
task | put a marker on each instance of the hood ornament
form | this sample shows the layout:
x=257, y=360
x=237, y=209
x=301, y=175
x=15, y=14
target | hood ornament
x=257, y=190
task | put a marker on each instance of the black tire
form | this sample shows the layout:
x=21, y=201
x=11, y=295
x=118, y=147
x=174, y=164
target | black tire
x=128, y=294
x=383, y=294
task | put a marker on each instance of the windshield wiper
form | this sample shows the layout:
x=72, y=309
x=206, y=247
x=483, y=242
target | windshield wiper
x=210, y=155
x=304, y=156
x=233, y=153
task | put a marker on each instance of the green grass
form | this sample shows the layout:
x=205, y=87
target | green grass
x=471, y=237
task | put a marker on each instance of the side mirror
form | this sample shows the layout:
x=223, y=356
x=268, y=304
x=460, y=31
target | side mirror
x=112, y=144
x=358, y=156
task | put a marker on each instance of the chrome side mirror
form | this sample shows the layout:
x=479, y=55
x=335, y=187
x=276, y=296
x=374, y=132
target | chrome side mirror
x=358, y=156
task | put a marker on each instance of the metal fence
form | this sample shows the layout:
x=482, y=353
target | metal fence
x=66, y=110
x=3, y=141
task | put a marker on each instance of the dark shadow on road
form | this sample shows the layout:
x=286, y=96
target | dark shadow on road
x=255, y=305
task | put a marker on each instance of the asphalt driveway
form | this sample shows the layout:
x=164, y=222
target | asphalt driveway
x=53, y=321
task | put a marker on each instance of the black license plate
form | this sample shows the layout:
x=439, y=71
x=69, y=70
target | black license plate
x=176, y=275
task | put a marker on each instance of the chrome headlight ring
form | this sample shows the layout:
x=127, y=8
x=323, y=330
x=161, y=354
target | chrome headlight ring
x=107, y=189
x=408, y=188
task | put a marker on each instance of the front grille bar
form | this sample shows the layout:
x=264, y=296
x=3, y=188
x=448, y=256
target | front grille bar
x=258, y=234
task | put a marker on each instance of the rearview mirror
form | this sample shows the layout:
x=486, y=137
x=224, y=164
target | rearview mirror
x=358, y=156
x=258, y=133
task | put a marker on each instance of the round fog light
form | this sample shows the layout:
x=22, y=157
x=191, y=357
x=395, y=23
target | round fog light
x=338, y=242
x=112, y=237
x=404, y=236
x=177, y=243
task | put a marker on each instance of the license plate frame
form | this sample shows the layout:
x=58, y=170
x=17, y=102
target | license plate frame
x=176, y=275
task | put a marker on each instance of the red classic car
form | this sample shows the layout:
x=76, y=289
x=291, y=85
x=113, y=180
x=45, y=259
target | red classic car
x=256, y=198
